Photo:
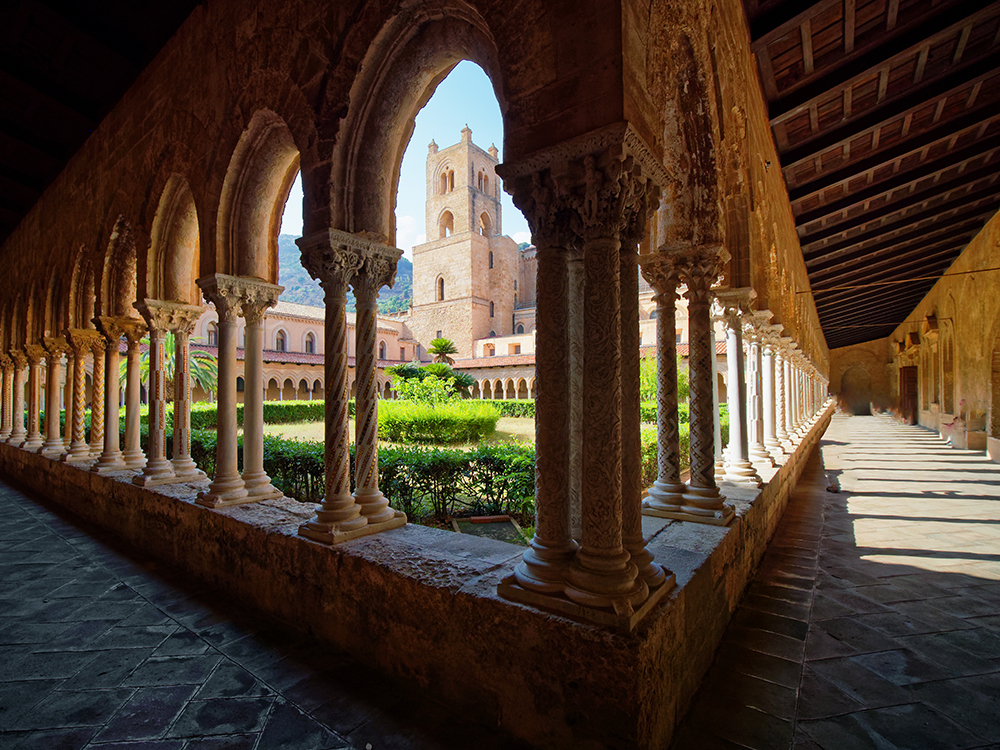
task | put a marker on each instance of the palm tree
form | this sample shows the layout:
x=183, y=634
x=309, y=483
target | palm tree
x=202, y=366
x=441, y=348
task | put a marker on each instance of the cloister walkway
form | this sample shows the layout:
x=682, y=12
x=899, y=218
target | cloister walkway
x=874, y=621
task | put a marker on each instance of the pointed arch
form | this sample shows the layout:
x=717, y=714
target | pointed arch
x=174, y=258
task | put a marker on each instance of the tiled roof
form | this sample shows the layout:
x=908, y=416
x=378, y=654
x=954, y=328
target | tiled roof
x=529, y=359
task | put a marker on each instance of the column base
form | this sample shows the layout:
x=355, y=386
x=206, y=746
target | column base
x=511, y=590
x=374, y=505
x=259, y=487
x=156, y=472
x=603, y=582
x=326, y=533
x=225, y=491
x=4, y=436
x=759, y=455
x=742, y=472
x=651, y=573
x=97, y=450
x=109, y=463
x=16, y=439
x=134, y=459
x=774, y=447
x=720, y=517
x=32, y=444
x=53, y=448
x=664, y=496
x=543, y=569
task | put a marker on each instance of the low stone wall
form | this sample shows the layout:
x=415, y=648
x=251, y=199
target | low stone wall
x=421, y=604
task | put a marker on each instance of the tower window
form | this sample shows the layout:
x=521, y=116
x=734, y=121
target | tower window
x=440, y=289
x=381, y=350
x=520, y=328
x=280, y=343
x=491, y=264
x=451, y=180
x=491, y=309
x=213, y=334
x=446, y=225
x=515, y=285
x=485, y=225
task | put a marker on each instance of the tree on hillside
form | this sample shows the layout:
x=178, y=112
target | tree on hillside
x=441, y=349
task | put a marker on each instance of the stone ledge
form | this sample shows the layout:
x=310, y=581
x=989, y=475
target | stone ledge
x=421, y=603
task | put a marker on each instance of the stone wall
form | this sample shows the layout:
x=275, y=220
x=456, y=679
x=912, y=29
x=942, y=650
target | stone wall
x=861, y=375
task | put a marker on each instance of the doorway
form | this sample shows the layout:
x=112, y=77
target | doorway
x=908, y=393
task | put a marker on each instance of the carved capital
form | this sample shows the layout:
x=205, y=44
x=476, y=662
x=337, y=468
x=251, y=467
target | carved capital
x=701, y=271
x=735, y=304
x=133, y=329
x=18, y=358
x=110, y=327
x=543, y=201
x=378, y=270
x=258, y=298
x=56, y=347
x=756, y=323
x=334, y=257
x=81, y=340
x=662, y=270
x=35, y=353
x=224, y=292
x=6, y=363
x=169, y=316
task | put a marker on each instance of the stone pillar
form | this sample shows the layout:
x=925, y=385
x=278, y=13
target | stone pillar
x=780, y=390
x=182, y=322
x=55, y=349
x=224, y=292
x=111, y=456
x=720, y=464
x=574, y=265
x=6, y=397
x=258, y=297
x=796, y=398
x=757, y=324
x=703, y=501
x=377, y=271
x=132, y=455
x=771, y=441
x=738, y=467
x=333, y=258
x=97, y=347
x=81, y=341
x=17, y=432
x=663, y=271
x=35, y=354
x=67, y=398
x=158, y=469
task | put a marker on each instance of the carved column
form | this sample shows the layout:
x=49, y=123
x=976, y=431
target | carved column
x=574, y=323
x=35, y=354
x=6, y=397
x=67, y=398
x=738, y=467
x=703, y=501
x=224, y=292
x=770, y=346
x=378, y=270
x=182, y=321
x=111, y=457
x=97, y=397
x=55, y=349
x=17, y=432
x=333, y=258
x=81, y=341
x=780, y=388
x=258, y=297
x=720, y=464
x=756, y=327
x=158, y=469
x=663, y=271
x=133, y=456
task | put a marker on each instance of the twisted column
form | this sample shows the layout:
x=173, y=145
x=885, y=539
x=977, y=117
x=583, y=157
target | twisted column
x=97, y=347
x=227, y=488
x=18, y=434
x=67, y=398
x=81, y=341
x=158, y=470
x=133, y=456
x=55, y=348
x=757, y=323
x=6, y=397
x=738, y=466
x=333, y=258
x=377, y=271
x=780, y=389
x=35, y=354
x=111, y=457
x=258, y=297
x=663, y=272
x=182, y=321
x=720, y=463
x=770, y=346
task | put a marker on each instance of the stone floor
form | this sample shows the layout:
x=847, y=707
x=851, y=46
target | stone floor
x=874, y=621
x=101, y=649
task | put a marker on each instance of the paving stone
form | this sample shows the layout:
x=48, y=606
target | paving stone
x=901, y=666
x=17, y=699
x=72, y=708
x=173, y=670
x=147, y=713
x=221, y=716
x=290, y=729
x=229, y=680
x=73, y=738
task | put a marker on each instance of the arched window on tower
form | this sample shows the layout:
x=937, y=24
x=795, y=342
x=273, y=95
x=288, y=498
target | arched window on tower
x=451, y=180
x=446, y=225
x=440, y=290
x=491, y=309
x=486, y=184
x=444, y=183
x=479, y=181
x=310, y=343
x=491, y=259
x=280, y=342
x=485, y=225
x=213, y=334
x=520, y=327
x=381, y=350
x=493, y=334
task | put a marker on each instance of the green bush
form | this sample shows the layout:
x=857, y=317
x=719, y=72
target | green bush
x=524, y=408
x=452, y=422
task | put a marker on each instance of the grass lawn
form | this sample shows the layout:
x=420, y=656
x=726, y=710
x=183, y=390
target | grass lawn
x=516, y=429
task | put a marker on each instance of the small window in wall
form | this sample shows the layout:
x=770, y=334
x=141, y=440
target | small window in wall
x=515, y=285
x=653, y=314
x=446, y=225
x=515, y=349
x=241, y=385
x=491, y=261
x=520, y=327
x=280, y=342
x=438, y=335
x=381, y=350
x=310, y=344
x=486, y=184
x=493, y=334
x=489, y=350
x=213, y=334
x=402, y=354
x=485, y=225
x=440, y=290
x=480, y=181
x=444, y=183
x=491, y=309
x=451, y=180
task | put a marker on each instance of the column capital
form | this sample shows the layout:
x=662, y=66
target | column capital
x=110, y=327
x=82, y=339
x=663, y=270
x=702, y=267
x=333, y=257
x=18, y=358
x=771, y=336
x=224, y=292
x=168, y=316
x=133, y=329
x=756, y=324
x=55, y=346
x=34, y=353
x=378, y=270
x=258, y=298
x=735, y=303
x=6, y=362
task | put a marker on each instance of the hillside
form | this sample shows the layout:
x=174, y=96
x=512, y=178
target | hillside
x=302, y=289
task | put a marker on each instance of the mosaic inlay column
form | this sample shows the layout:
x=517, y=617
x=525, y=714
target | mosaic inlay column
x=703, y=503
x=55, y=349
x=333, y=258
x=379, y=270
x=111, y=457
x=183, y=320
x=663, y=272
x=756, y=326
x=224, y=292
x=7, y=395
x=258, y=298
x=720, y=464
x=133, y=331
x=780, y=389
x=574, y=324
x=738, y=466
x=18, y=434
x=770, y=345
x=97, y=347
x=81, y=341
x=35, y=354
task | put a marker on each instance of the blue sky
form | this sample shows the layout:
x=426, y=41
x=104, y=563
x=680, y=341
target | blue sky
x=465, y=97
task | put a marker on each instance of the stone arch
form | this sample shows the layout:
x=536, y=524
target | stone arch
x=532, y=391
x=522, y=389
x=288, y=390
x=118, y=285
x=486, y=227
x=212, y=333
x=261, y=171
x=174, y=258
x=82, y=293
x=498, y=389
x=439, y=289
x=302, y=393
x=509, y=390
x=520, y=328
x=856, y=390
x=309, y=340
x=273, y=391
x=387, y=389
x=318, y=391
x=56, y=309
x=382, y=349
x=446, y=224
x=280, y=339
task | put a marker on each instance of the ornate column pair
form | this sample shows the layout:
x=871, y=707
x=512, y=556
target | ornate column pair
x=18, y=434
x=35, y=353
x=735, y=304
x=233, y=296
x=593, y=206
x=757, y=324
x=339, y=260
x=81, y=342
x=6, y=397
x=55, y=349
x=111, y=458
x=772, y=382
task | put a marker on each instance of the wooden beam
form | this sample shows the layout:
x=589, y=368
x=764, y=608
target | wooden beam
x=805, y=33
x=963, y=40
x=892, y=15
x=848, y=26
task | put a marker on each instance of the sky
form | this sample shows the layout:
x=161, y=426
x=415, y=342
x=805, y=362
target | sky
x=465, y=97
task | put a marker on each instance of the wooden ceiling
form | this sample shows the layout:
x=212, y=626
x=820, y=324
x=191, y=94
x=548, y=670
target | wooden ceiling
x=886, y=117
x=63, y=66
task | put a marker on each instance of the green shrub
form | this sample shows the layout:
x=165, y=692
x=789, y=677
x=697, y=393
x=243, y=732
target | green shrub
x=452, y=422
x=523, y=408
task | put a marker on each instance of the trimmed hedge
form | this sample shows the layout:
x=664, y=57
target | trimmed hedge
x=511, y=407
x=450, y=422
